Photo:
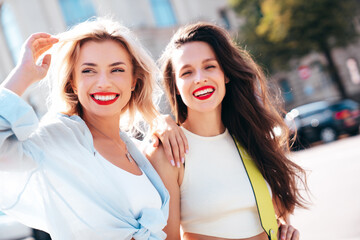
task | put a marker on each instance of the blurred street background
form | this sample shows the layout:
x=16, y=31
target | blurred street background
x=310, y=51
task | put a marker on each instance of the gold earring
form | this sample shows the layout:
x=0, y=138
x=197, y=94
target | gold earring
x=75, y=91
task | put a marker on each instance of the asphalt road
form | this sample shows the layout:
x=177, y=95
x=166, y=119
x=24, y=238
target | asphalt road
x=334, y=182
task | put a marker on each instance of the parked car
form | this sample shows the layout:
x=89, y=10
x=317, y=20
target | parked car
x=10, y=229
x=323, y=121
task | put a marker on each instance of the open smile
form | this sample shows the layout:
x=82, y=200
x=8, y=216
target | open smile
x=204, y=92
x=104, y=98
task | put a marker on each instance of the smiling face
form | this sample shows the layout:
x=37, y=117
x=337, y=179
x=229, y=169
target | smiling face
x=103, y=78
x=199, y=78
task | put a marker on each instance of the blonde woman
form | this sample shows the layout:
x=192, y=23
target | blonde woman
x=75, y=174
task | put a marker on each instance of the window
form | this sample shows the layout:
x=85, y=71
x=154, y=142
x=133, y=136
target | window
x=163, y=12
x=11, y=31
x=225, y=18
x=353, y=68
x=76, y=11
x=286, y=90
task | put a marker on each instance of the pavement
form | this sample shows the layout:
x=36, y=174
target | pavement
x=334, y=182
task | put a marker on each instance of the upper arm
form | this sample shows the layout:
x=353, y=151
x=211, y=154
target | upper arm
x=169, y=175
x=18, y=123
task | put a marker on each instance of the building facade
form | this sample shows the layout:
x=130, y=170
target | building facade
x=154, y=22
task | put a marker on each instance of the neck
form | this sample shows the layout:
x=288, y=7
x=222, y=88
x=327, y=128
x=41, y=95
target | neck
x=108, y=126
x=204, y=124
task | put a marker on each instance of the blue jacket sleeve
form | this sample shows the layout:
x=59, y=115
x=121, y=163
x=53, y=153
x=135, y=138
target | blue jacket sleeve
x=18, y=122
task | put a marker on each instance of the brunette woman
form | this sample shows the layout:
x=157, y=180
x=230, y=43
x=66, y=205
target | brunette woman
x=218, y=94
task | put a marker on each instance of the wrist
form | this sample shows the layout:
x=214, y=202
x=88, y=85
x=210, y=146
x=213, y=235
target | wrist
x=17, y=81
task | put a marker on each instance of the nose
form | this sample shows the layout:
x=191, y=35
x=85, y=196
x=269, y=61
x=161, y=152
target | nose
x=103, y=81
x=200, y=77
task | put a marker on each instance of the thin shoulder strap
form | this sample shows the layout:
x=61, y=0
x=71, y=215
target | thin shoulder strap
x=262, y=196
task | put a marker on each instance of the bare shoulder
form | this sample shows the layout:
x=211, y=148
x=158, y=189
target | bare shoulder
x=157, y=157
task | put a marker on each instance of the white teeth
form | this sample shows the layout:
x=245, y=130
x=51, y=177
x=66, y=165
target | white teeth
x=204, y=91
x=104, y=98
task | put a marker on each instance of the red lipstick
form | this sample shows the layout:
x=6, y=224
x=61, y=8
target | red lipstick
x=204, y=95
x=104, y=98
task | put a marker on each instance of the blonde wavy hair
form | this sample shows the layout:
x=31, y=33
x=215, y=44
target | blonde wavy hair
x=66, y=53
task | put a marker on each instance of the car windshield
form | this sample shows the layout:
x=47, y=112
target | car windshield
x=346, y=104
x=311, y=108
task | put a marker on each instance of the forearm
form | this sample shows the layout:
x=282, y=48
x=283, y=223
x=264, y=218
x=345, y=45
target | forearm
x=15, y=81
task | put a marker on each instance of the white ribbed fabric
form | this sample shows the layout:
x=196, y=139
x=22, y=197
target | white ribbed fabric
x=216, y=195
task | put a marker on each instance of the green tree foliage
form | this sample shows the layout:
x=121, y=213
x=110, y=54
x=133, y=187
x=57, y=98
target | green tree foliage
x=276, y=31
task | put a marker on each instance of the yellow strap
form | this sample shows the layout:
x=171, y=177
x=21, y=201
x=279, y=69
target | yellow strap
x=262, y=196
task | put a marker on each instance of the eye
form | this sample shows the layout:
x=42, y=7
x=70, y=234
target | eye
x=209, y=67
x=186, y=73
x=118, y=70
x=88, y=70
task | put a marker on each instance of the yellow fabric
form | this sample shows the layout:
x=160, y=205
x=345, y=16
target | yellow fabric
x=262, y=195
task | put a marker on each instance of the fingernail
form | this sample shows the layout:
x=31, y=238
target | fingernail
x=182, y=160
x=178, y=164
x=172, y=163
x=187, y=151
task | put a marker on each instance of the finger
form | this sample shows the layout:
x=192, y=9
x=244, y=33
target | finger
x=290, y=233
x=155, y=141
x=283, y=231
x=33, y=37
x=175, y=151
x=296, y=235
x=181, y=145
x=41, y=51
x=168, y=152
x=46, y=62
x=43, y=42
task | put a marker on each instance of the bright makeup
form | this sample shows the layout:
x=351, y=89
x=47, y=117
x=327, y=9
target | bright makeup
x=204, y=92
x=104, y=98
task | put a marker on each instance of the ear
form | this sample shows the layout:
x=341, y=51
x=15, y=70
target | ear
x=227, y=80
x=74, y=89
x=134, y=83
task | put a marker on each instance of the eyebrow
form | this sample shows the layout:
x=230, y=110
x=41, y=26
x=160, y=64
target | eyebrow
x=205, y=61
x=111, y=65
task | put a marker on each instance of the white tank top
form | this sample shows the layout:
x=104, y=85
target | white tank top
x=216, y=195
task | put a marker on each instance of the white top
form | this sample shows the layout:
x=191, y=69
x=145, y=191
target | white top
x=216, y=195
x=52, y=178
x=137, y=189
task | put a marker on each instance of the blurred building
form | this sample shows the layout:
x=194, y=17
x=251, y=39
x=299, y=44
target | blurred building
x=308, y=80
x=154, y=22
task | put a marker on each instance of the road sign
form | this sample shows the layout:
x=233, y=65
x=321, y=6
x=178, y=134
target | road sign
x=304, y=72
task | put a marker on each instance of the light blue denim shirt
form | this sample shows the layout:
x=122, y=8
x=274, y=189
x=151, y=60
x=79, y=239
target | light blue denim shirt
x=52, y=178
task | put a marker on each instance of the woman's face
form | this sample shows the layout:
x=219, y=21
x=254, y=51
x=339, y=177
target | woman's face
x=103, y=78
x=199, y=78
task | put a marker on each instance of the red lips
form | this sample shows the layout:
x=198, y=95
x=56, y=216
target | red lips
x=104, y=98
x=204, y=92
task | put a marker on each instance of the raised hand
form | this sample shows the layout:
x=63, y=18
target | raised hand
x=28, y=70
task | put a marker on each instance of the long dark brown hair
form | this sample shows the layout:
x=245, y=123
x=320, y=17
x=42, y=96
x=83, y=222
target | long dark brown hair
x=249, y=111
